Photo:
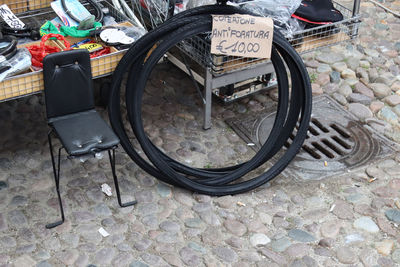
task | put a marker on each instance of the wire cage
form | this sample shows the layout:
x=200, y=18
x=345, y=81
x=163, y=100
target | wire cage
x=154, y=12
x=39, y=11
x=329, y=34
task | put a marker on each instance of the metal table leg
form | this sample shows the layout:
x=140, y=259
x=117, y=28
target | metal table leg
x=208, y=96
x=356, y=13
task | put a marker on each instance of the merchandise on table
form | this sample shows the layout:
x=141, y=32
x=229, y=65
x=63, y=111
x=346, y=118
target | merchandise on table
x=19, y=63
x=90, y=46
x=9, y=47
x=115, y=36
x=72, y=15
x=12, y=25
x=38, y=52
x=33, y=15
x=75, y=45
x=290, y=16
x=76, y=32
x=102, y=52
x=67, y=8
x=9, y=17
x=29, y=31
x=181, y=5
x=316, y=13
x=73, y=31
x=95, y=49
x=312, y=14
x=279, y=10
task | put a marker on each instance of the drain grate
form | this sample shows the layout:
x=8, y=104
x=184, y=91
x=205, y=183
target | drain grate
x=336, y=141
x=326, y=141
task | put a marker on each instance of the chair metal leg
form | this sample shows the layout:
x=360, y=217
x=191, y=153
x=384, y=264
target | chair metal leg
x=57, y=180
x=112, y=162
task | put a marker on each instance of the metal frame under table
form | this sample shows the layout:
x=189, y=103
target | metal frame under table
x=214, y=72
x=220, y=71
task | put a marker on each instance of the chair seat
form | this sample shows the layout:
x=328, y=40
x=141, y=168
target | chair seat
x=84, y=132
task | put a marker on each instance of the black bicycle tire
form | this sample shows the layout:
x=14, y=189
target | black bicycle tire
x=115, y=117
x=114, y=105
x=219, y=9
x=166, y=170
x=114, y=109
x=226, y=10
x=191, y=188
x=305, y=112
x=281, y=115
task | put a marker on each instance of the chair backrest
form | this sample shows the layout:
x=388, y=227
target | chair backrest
x=68, y=84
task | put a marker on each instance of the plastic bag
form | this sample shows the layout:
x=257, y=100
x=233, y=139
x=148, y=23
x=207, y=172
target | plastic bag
x=109, y=20
x=19, y=63
x=84, y=158
x=4, y=64
x=133, y=32
x=181, y=5
x=279, y=10
x=196, y=3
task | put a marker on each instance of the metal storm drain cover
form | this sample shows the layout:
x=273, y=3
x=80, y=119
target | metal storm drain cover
x=336, y=141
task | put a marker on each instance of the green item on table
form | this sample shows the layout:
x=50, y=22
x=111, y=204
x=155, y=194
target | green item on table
x=49, y=27
x=74, y=32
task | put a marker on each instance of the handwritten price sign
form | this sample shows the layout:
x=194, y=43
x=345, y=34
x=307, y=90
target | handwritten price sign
x=242, y=35
x=10, y=18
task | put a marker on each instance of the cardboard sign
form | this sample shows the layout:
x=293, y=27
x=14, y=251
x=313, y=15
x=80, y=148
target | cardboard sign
x=9, y=17
x=242, y=35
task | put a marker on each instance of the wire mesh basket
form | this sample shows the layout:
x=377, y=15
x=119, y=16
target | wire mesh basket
x=198, y=47
x=38, y=11
x=327, y=35
x=41, y=11
x=20, y=6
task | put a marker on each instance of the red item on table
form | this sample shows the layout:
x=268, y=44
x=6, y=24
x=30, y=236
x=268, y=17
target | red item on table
x=38, y=52
x=104, y=51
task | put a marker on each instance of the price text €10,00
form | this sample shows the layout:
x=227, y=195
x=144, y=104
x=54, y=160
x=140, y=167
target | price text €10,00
x=226, y=46
x=241, y=35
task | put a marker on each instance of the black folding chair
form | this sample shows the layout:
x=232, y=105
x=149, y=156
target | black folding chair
x=71, y=115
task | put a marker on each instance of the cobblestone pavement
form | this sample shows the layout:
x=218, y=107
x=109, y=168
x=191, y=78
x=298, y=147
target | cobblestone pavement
x=343, y=221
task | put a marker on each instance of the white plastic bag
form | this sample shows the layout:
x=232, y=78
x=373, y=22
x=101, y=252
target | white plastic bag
x=279, y=10
x=20, y=62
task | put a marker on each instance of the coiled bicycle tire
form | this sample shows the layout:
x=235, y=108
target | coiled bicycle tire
x=215, y=181
x=220, y=183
